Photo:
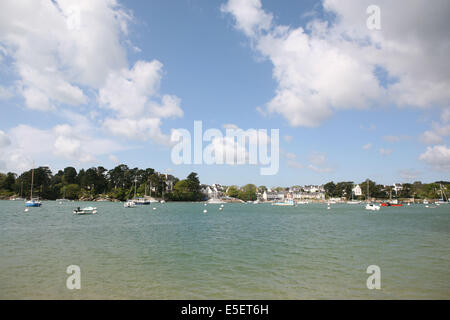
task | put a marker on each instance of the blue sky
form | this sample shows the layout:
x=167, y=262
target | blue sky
x=111, y=89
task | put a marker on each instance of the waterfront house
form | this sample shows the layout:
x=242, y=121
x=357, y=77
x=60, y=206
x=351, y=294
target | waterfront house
x=357, y=190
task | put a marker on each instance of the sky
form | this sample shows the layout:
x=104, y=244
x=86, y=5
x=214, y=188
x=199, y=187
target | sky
x=99, y=83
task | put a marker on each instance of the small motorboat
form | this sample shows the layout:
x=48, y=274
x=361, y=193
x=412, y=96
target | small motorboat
x=33, y=203
x=87, y=210
x=387, y=204
x=129, y=204
x=287, y=202
x=373, y=207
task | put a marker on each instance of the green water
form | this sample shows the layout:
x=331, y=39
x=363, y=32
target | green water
x=246, y=251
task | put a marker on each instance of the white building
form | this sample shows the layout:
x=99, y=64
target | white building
x=357, y=190
x=397, y=187
x=272, y=196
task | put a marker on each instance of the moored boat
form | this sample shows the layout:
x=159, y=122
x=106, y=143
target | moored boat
x=87, y=210
x=288, y=202
x=33, y=203
x=129, y=204
x=372, y=207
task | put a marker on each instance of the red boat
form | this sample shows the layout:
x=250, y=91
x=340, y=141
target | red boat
x=391, y=205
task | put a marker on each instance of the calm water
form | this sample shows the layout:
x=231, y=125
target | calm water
x=246, y=251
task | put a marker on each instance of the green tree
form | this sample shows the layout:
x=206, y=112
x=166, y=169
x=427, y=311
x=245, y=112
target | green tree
x=72, y=191
x=70, y=175
x=233, y=192
x=248, y=192
x=330, y=189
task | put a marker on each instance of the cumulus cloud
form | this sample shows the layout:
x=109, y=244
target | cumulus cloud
x=67, y=52
x=133, y=95
x=438, y=157
x=78, y=143
x=318, y=162
x=54, y=57
x=330, y=66
x=435, y=135
x=4, y=140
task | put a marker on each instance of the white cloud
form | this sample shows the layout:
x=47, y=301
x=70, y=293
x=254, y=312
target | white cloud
x=230, y=126
x=394, y=139
x=438, y=157
x=132, y=95
x=250, y=18
x=318, y=169
x=66, y=51
x=295, y=164
x=290, y=156
x=385, y=152
x=128, y=91
x=318, y=162
x=77, y=143
x=53, y=59
x=288, y=138
x=367, y=146
x=137, y=129
x=409, y=174
x=430, y=137
x=331, y=67
x=445, y=116
x=113, y=159
x=436, y=135
x=4, y=140
x=5, y=93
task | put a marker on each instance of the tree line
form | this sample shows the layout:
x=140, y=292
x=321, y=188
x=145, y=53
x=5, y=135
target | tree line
x=417, y=190
x=118, y=183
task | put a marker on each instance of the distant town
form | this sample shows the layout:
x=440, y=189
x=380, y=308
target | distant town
x=122, y=183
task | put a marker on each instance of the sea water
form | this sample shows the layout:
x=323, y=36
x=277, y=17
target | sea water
x=245, y=251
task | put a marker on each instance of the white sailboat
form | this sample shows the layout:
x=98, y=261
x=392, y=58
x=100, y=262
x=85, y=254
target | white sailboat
x=32, y=202
x=442, y=200
x=353, y=201
x=370, y=206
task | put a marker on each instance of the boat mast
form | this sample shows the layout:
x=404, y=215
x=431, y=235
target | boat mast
x=150, y=188
x=32, y=181
x=135, y=182
x=367, y=190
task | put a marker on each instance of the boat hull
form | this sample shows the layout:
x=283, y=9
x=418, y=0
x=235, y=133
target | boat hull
x=33, y=204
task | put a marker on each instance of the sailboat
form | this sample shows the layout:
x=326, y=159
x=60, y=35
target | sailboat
x=64, y=196
x=391, y=203
x=32, y=202
x=443, y=196
x=353, y=201
x=369, y=205
x=139, y=201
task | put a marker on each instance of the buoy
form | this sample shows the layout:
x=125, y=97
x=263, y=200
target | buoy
x=221, y=205
x=154, y=208
x=328, y=208
x=220, y=209
x=205, y=211
x=205, y=204
x=26, y=210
